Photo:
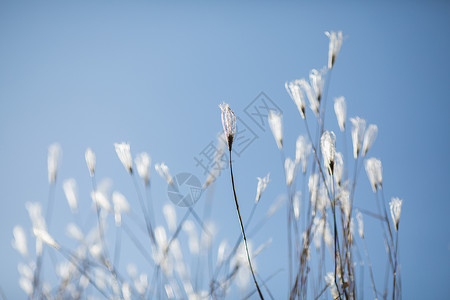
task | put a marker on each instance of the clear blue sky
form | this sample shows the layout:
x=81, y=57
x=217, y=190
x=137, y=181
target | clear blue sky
x=91, y=73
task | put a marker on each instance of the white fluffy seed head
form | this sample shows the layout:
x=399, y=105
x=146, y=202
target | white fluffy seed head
x=124, y=154
x=369, y=138
x=228, y=123
x=121, y=205
x=374, y=172
x=53, y=160
x=262, y=185
x=20, y=240
x=359, y=218
x=89, y=155
x=171, y=217
x=70, y=190
x=358, y=128
x=164, y=172
x=143, y=162
x=289, y=168
x=340, y=109
x=317, y=79
x=328, y=146
x=396, y=208
x=45, y=237
x=276, y=125
x=294, y=89
x=338, y=168
x=336, y=39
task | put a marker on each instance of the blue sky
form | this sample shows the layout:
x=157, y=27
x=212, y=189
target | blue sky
x=88, y=74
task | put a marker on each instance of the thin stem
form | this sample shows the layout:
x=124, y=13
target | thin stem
x=370, y=269
x=243, y=230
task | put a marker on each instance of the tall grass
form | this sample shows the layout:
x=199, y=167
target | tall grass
x=327, y=253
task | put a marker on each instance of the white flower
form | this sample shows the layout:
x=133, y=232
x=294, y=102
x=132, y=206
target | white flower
x=338, y=168
x=369, y=138
x=89, y=155
x=44, y=236
x=359, y=218
x=374, y=172
x=396, y=208
x=70, y=190
x=328, y=146
x=35, y=213
x=317, y=80
x=341, y=111
x=313, y=102
x=74, y=232
x=54, y=157
x=334, y=46
x=143, y=162
x=276, y=126
x=123, y=152
x=120, y=205
x=170, y=216
x=313, y=186
x=289, y=168
x=163, y=171
x=20, y=240
x=228, y=123
x=294, y=89
x=296, y=205
x=359, y=125
x=302, y=151
x=100, y=200
x=262, y=184
x=344, y=198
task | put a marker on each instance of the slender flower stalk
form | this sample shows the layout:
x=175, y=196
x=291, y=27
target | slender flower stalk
x=229, y=127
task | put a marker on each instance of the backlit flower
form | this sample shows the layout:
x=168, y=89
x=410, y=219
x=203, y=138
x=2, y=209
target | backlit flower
x=123, y=152
x=262, y=184
x=334, y=46
x=89, y=155
x=328, y=146
x=294, y=90
x=143, y=162
x=163, y=171
x=228, y=123
x=276, y=126
x=340, y=109
x=369, y=138
x=54, y=157
x=289, y=167
x=396, y=208
x=359, y=126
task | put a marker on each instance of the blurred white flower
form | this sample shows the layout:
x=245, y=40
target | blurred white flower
x=121, y=205
x=317, y=79
x=334, y=46
x=296, y=205
x=228, y=123
x=74, y=232
x=275, y=206
x=276, y=126
x=344, y=198
x=374, y=172
x=170, y=216
x=294, y=89
x=143, y=162
x=20, y=240
x=26, y=286
x=223, y=246
x=317, y=229
x=396, y=208
x=45, y=237
x=302, y=151
x=193, y=240
x=262, y=184
x=338, y=168
x=89, y=155
x=313, y=102
x=70, y=190
x=328, y=146
x=163, y=171
x=101, y=200
x=359, y=218
x=340, y=109
x=313, y=186
x=359, y=126
x=35, y=213
x=123, y=152
x=54, y=158
x=289, y=168
x=369, y=138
